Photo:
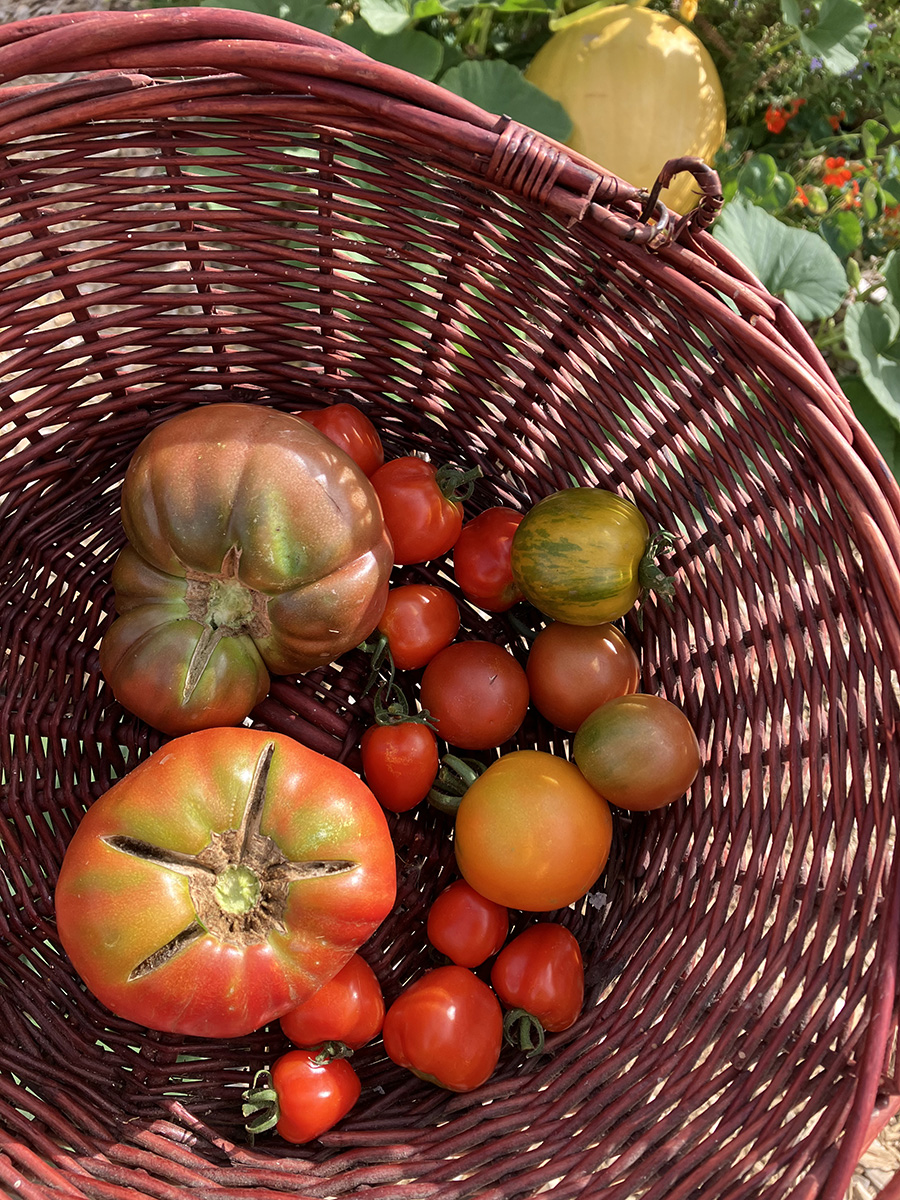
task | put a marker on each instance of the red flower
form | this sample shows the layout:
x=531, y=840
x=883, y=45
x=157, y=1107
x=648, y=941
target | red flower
x=776, y=119
x=835, y=120
x=836, y=172
x=800, y=197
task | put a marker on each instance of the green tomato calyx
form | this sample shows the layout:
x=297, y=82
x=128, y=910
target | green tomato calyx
x=650, y=576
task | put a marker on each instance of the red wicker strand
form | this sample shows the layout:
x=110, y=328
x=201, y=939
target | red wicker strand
x=201, y=203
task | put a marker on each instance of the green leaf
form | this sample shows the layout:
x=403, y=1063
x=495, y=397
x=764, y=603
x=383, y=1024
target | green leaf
x=796, y=264
x=838, y=37
x=410, y=49
x=757, y=176
x=871, y=334
x=890, y=271
x=499, y=87
x=311, y=14
x=883, y=429
x=843, y=233
x=790, y=12
x=873, y=133
x=892, y=115
x=386, y=16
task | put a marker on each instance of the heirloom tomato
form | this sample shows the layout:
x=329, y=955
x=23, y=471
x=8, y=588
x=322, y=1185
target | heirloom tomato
x=255, y=545
x=466, y=926
x=446, y=1027
x=531, y=832
x=399, y=760
x=539, y=978
x=348, y=1008
x=422, y=506
x=582, y=555
x=573, y=669
x=640, y=751
x=476, y=693
x=350, y=428
x=481, y=559
x=418, y=620
x=222, y=881
x=304, y=1095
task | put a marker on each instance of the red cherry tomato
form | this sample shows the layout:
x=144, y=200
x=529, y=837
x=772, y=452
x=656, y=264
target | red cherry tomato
x=446, y=1027
x=419, y=619
x=303, y=1095
x=476, y=693
x=465, y=925
x=541, y=973
x=400, y=762
x=349, y=1009
x=573, y=669
x=422, y=506
x=481, y=559
x=352, y=430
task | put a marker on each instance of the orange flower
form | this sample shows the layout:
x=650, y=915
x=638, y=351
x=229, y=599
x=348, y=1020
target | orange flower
x=853, y=200
x=836, y=173
x=776, y=119
x=800, y=197
x=835, y=120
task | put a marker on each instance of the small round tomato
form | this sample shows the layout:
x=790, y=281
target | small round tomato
x=531, y=832
x=305, y=1093
x=400, y=761
x=349, y=428
x=476, y=693
x=640, y=751
x=422, y=506
x=446, y=1027
x=418, y=620
x=539, y=978
x=573, y=669
x=465, y=925
x=582, y=555
x=348, y=1008
x=481, y=559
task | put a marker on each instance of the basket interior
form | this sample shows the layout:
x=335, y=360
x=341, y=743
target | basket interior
x=298, y=252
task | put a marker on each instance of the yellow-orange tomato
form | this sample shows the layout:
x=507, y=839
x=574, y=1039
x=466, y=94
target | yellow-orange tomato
x=573, y=669
x=531, y=832
x=640, y=752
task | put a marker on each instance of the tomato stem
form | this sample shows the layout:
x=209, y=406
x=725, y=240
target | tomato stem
x=456, y=484
x=452, y=782
x=326, y=1052
x=650, y=576
x=524, y=1030
x=261, y=1103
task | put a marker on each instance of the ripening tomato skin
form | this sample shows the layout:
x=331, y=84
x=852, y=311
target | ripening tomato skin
x=542, y=971
x=476, y=693
x=350, y=429
x=573, y=669
x=170, y=878
x=447, y=1028
x=639, y=751
x=312, y=1097
x=531, y=833
x=481, y=559
x=465, y=926
x=245, y=525
x=577, y=555
x=348, y=1008
x=418, y=620
x=423, y=522
x=400, y=762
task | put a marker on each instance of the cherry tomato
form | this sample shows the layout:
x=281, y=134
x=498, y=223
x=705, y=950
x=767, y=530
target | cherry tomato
x=348, y=1008
x=400, y=761
x=446, y=1027
x=303, y=1095
x=476, y=693
x=481, y=559
x=465, y=925
x=422, y=507
x=573, y=669
x=418, y=620
x=639, y=751
x=531, y=833
x=352, y=430
x=539, y=978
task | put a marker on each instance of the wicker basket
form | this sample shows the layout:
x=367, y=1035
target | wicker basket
x=215, y=200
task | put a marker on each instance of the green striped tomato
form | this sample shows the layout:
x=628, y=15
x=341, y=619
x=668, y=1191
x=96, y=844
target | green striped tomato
x=577, y=555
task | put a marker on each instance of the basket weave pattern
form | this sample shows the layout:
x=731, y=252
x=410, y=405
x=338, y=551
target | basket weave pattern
x=219, y=201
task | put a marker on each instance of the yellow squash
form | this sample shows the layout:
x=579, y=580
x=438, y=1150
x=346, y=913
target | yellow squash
x=640, y=88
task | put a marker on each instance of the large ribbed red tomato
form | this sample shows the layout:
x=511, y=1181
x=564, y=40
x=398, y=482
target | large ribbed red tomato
x=223, y=881
x=255, y=545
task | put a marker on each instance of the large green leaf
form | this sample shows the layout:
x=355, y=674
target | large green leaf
x=409, y=49
x=871, y=331
x=386, y=16
x=499, y=87
x=311, y=14
x=795, y=264
x=883, y=430
x=839, y=35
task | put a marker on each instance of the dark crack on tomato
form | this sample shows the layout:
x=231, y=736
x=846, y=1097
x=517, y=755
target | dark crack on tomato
x=240, y=881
